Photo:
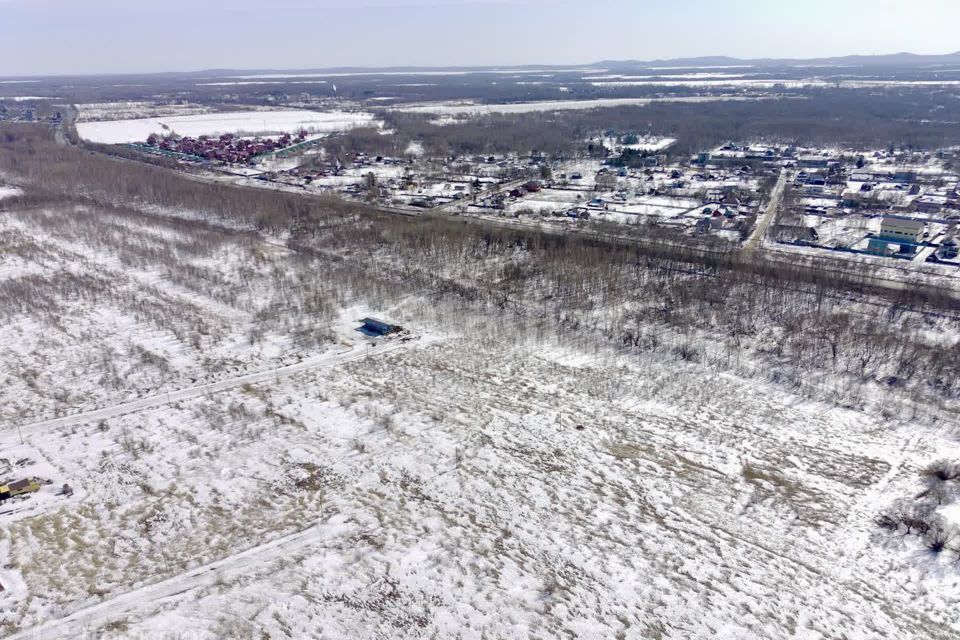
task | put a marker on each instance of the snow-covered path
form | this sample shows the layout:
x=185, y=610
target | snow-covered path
x=12, y=436
x=115, y=608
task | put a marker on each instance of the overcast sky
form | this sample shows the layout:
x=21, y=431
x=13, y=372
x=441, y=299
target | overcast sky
x=97, y=36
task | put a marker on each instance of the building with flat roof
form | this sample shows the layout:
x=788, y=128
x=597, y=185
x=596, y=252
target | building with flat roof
x=902, y=229
x=897, y=236
x=374, y=327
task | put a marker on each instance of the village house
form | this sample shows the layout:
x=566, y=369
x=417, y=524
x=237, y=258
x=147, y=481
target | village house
x=929, y=204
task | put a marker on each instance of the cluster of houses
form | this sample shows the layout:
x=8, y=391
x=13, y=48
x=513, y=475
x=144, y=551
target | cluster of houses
x=715, y=202
x=25, y=113
x=719, y=217
x=727, y=203
x=916, y=200
x=16, y=114
x=531, y=187
x=409, y=181
x=904, y=182
x=227, y=148
x=905, y=237
x=746, y=155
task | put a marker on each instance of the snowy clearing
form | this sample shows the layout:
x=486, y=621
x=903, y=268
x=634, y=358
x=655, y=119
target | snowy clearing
x=550, y=105
x=247, y=122
x=136, y=109
x=456, y=494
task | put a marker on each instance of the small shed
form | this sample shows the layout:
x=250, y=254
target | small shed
x=374, y=327
x=19, y=487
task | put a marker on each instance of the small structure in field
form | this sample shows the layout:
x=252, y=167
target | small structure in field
x=18, y=488
x=374, y=327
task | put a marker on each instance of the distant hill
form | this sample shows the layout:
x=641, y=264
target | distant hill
x=891, y=62
x=887, y=60
x=903, y=60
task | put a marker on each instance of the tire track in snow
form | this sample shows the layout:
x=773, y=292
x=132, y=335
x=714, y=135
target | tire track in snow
x=11, y=436
x=117, y=607
x=858, y=537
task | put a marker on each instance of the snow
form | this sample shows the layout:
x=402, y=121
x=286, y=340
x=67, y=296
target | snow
x=761, y=84
x=550, y=105
x=415, y=72
x=248, y=122
x=653, y=145
x=731, y=80
x=504, y=476
x=726, y=66
x=676, y=76
x=414, y=148
x=481, y=509
x=134, y=109
x=644, y=143
x=259, y=82
x=10, y=192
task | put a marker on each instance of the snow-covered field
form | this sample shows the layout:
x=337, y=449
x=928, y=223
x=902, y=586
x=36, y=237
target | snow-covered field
x=417, y=72
x=462, y=109
x=771, y=84
x=747, y=80
x=136, y=109
x=280, y=475
x=246, y=122
x=526, y=490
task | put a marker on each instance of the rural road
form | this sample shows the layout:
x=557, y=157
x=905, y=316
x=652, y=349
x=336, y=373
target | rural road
x=769, y=214
x=461, y=205
x=10, y=436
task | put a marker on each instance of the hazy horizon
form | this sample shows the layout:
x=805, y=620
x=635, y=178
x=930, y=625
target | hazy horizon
x=56, y=37
x=479, y=67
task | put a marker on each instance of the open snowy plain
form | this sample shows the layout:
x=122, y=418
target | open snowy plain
x=245, y=464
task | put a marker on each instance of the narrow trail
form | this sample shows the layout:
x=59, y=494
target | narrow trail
x=78, y=622
x=863, y=511
x=11, y=436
